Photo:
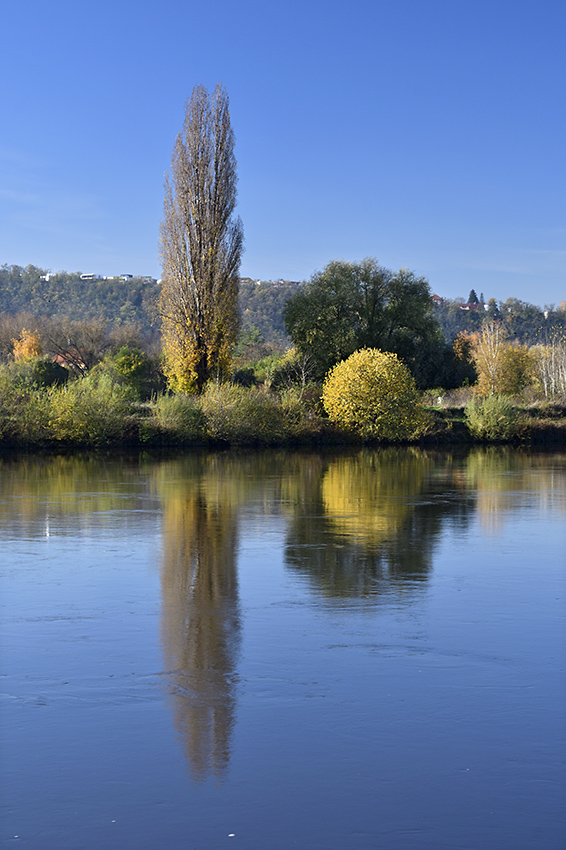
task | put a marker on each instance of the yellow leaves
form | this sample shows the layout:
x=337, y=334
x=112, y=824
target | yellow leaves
x=503, y=367
x=462, y=346
x=191, y=352
x=90, y=410
x=486, y=355
x=27, y=346
x=374, y=394
x=366, y=495
x=180, y=359
x=517, y=366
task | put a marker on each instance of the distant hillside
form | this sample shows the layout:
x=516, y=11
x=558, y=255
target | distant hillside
x=524, y=322
x=133, y=301
x=33, y=290
x=261, y=306
x=119, y=301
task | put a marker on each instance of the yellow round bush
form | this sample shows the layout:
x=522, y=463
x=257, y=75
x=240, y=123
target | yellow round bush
x=374, y=394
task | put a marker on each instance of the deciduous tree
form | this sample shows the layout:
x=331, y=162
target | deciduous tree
x=549, y=364
x=80, y=345
x=201, y=246
x=487, y=356
x=27, y=346
x=348, y=306
x=502, y=366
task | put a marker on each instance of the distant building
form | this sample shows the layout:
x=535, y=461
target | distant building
x=279, y=282
x=71, y=359
x=90, y=277
x=282, y=282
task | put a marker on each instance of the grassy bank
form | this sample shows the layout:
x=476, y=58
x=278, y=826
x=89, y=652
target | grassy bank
x=98, y=412
x=536, y=425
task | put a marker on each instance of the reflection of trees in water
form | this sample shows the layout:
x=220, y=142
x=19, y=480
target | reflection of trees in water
x=373, y=521
x=502, y=475
x=69, y=493
x=200, y=617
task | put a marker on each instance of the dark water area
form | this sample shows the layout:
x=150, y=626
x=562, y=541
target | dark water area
x=279, y=650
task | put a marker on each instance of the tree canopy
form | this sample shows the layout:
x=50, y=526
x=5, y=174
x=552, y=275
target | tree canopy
x=348, y=306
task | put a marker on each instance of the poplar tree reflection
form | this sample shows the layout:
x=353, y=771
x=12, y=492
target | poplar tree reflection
x=200, y=617
x=372, y=526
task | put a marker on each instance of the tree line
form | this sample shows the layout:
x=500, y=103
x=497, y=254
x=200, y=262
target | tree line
x=23, y=289
x=527, y=323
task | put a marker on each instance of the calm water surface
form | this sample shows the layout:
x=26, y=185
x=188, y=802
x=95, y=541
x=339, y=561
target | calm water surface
x=280, y=650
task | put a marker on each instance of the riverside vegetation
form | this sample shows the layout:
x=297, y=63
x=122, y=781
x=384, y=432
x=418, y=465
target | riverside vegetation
x=121, y=402
x=111, y=391
x=86, y=383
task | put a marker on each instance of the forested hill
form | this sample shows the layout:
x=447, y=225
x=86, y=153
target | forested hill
x=526, y=323
x=261, y=306
x=65, y=294
x=33, y=291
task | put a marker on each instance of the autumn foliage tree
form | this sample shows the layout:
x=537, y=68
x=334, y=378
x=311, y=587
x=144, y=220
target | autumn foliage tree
x=27, y=345
x=503, y=367
x=373, y=393
x=463, y=346
x=487, y=353
x=201, y=246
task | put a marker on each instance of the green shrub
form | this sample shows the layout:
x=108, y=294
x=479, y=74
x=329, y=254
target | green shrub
x=179, y=417
x=241, y=416
x=89, y=411
x=264, y=368
x=245, y=377
x=24, y=408
x=373, y=394
x=34, y=372
x=46, y=373
x=129, y=366
x=492, y=418
x=31, y=425
x=300, y=413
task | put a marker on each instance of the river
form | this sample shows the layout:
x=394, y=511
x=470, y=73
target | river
x=327, y=651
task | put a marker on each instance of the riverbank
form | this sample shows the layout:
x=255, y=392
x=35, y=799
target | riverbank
x=537, y=425
x=231, y=417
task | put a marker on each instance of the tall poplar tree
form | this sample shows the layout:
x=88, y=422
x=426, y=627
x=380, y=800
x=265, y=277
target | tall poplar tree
x=201, y=246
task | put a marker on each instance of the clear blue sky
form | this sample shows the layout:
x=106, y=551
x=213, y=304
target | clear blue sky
x=426, y=133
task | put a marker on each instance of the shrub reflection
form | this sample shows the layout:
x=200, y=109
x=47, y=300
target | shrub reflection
x=373, y=521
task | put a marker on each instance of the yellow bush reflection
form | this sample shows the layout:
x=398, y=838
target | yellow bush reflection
x=362, y=530
x=368, y=496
